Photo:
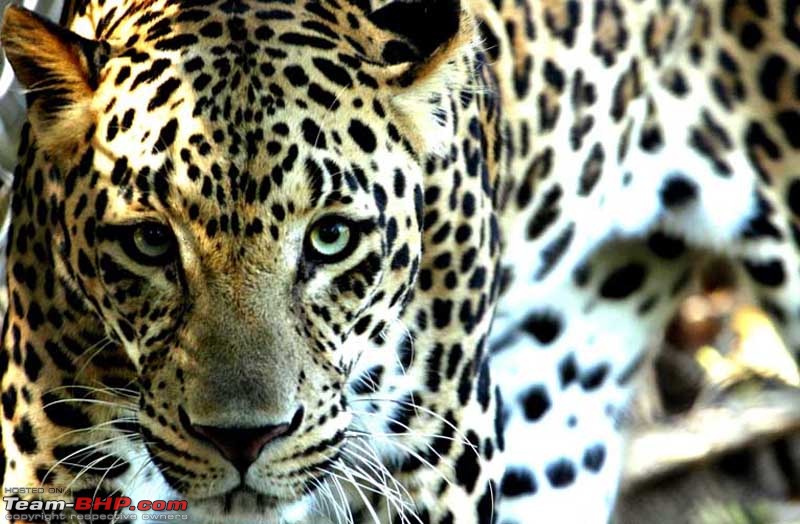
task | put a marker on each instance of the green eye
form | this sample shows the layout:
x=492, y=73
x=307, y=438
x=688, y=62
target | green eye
x=330, y=239
x=150, y=243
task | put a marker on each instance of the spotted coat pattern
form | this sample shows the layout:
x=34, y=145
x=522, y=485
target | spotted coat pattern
x=182, y=321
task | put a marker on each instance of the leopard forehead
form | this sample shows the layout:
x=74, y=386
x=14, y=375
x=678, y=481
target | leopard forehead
x=225, y=115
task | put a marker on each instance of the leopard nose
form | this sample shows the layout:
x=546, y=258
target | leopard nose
x=242, y=445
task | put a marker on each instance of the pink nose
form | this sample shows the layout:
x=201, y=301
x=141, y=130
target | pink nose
x=240, y=445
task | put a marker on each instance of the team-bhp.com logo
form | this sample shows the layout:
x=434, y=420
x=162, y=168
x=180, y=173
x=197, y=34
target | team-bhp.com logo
x=81, y=508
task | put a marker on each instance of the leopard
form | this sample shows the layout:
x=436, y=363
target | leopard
x=399, y=261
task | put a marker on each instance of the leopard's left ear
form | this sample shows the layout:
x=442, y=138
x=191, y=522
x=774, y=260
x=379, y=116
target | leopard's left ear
x=424, y=57
x=60, y=70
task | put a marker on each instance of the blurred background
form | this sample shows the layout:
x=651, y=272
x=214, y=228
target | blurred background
x=716, y=424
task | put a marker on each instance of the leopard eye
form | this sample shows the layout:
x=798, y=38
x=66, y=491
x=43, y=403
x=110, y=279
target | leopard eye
x=330, y=239
x=150, y=243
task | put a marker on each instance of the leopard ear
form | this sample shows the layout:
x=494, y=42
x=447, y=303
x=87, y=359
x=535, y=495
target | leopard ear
x=425, y=58
x=424, y=25
x=60, y=71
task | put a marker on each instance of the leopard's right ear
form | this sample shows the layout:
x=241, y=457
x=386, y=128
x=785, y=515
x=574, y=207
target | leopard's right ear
x=60, y=70
x=429, y=39
x=426, y=26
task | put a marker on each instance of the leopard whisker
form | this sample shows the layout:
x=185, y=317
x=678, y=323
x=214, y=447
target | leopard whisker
x=399, y=497
x=359, y=490
x=102, y=426
x=82, y=450
x=465, y=441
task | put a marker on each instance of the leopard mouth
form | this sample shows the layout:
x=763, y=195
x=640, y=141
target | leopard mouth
x=245, y=505
x=243, y=496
